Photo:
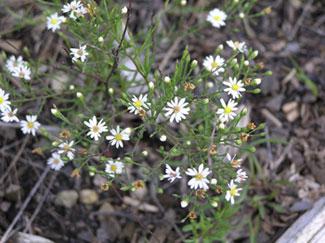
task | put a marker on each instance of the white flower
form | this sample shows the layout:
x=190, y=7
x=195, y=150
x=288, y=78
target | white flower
x=217, y=18
x=76, y=9
x=177, y=109
x=95, y=128
x=114, y=167
x=234, y=87
x=232, y=192
x=237, y=46
x=234, y=162
x=199, y=179
x=55, y=162
x=4, y=100
x=117, y=137
x=9, y=115
x=31, y=125
x=241, y=176
x=12, y=63
x=79, y=53
x=138, y=104
x=227, y=112
x=67, y=148
x=171, y=174
x=214, y=64
x=22, y=71
x=54, y=22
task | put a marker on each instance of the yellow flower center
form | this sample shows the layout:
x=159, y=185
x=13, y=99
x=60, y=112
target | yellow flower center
x=228, y=110
x=214, y=65
x=30, y=125
x=95, y=129
x=199, y=176
x=137, y=104
x=233, y=191
x=66, y=147
x=113, y=168
x=177, y=109
x=80, y=52
x=54, y=21
x=1, y=100
x=118, y=137
x=217, y=18
x=56, y=161
x=235, y=87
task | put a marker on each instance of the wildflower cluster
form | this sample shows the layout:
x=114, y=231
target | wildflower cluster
x=119, y=104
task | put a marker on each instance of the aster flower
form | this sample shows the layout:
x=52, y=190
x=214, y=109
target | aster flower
x=227, y=112
x=55, y=162
x=4, y=100
x=79, y=53
x=54, y=22
x=171, y=174
x=138, y=104
x=117, y=136
x=13, y=63
x=234, y=87
x=114, y=167
x=75, y=8
x=232, y=192
x=67, y=148
x=214, y=64
x=95, y=128
x=217, y=18
x=9, y=115
x=177, y=109
x=30, y=125
x=241, y=176
x=22, y=71
x=237, y=46
x=199, y=179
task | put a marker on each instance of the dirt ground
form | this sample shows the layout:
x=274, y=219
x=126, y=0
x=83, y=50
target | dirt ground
x=291, y=43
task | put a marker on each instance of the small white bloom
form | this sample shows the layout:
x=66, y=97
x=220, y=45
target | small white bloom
x=12, y=63
x=199, y=179
x=124, y=10
x=22, y=71
x=117, y=137
x=31, y=125
x=95, y=128
x=54, y=22
x=114, y=167
x=241, y=176
x=76, y=9
x=100, y=39
x=184, y=203
x=234, y=87
x=79, y=95
x=167, y=79
x=214, y=204
x=145, y=153
x=151, y=85
x=138, y=103
x=4, y=100
x=177, y=109
x=217, y=18
x=79, y=53
x=227, y=112
x=67, y=148
x=55, y=162
x=214, y=64
x=171, y=174
x=183, y=2
x=258, y=81
x=163, y=138
x=9, y=115
x=237, y=46
x=232, y=192
x=213, y=181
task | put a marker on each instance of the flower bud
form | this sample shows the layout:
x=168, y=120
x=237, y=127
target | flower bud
x=111, y=91
x=151, y=85
x=124, y=10
x=213, y=181
x=100, y=39
x=258, y=81
x=163, y=138
x=167, y=79
x=241, y=15
x=184, y=203
x=79, y=95
x=246, y=63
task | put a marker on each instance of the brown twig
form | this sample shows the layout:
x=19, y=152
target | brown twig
x=24, y=206
x=116, y=52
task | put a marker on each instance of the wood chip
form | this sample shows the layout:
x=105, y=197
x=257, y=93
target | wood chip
x=268, y=115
